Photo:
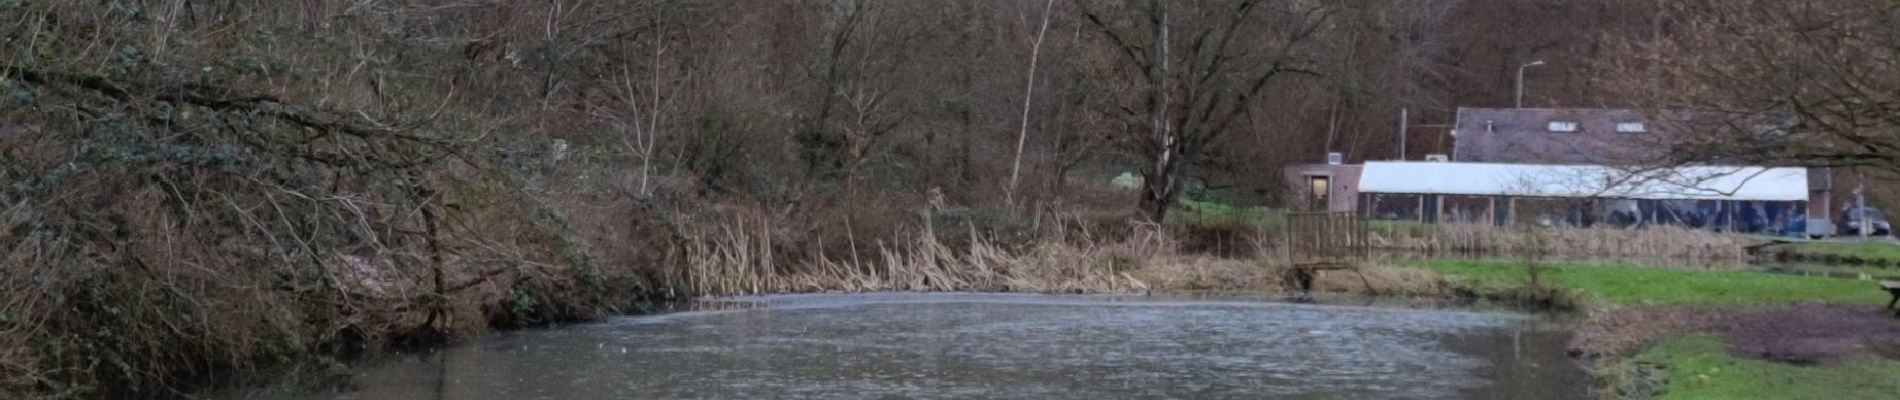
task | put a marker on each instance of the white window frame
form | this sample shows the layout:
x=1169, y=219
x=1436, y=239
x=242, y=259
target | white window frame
x=1561, y=126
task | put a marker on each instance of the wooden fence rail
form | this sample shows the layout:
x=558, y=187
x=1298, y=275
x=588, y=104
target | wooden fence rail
x=1326, y=241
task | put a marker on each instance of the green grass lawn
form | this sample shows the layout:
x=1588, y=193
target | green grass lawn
x=1868, y=251
x=1699, y=368
x=1213, y=214
x=1623, y=284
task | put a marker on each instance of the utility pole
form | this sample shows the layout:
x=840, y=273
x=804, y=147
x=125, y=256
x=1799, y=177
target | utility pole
x=1520, y=80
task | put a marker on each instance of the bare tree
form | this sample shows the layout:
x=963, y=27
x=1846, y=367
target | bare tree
x=1029, y=91
x=1218, y=78
x=1805, y=83
x=645, y=104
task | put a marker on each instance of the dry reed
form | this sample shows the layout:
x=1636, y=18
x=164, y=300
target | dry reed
x=743, y=257
x=747, y=255
x=1654, y=242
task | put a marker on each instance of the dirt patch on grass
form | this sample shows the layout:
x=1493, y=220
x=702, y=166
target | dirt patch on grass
x=1623, y=331
x=1811, y=334
x=1798, y=334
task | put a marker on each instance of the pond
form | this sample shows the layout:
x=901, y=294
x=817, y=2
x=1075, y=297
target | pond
x=941, y=346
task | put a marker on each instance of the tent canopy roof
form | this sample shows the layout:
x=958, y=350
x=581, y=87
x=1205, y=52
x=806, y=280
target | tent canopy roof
x=1586, y=181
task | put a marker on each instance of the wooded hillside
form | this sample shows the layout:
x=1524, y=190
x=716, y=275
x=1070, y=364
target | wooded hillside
x=191, y=187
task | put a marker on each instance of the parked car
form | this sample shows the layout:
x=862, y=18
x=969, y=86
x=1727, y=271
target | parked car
x=1877, y=222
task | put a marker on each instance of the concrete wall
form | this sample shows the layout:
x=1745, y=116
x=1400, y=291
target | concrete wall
x=1343, y=193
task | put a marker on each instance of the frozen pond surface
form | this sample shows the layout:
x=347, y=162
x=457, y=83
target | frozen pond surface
x=944, y=346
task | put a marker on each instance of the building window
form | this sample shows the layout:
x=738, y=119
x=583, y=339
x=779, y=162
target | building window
x=1631, y=127
x=1563, y=126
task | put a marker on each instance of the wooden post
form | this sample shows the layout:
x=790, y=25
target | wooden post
x=1491, y=211
x=1438, y=210
x=1420, y=213
x=1728, y=213
x=1510, y=210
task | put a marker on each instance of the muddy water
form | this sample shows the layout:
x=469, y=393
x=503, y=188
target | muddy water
x=1001, y=347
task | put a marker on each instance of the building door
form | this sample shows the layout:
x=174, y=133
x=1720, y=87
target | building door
x=1319, y=192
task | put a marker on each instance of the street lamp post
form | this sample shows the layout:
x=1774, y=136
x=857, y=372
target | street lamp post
x=1520, y=80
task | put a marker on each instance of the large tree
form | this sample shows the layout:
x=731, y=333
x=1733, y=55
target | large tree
x=1190, y=70
x=1812, y=83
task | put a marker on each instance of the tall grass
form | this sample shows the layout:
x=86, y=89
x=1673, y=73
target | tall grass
x=1213, y=227
x=750, y=254
x=746, y=257
x=1474, y=239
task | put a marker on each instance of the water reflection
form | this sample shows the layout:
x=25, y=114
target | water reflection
x=1000, y=346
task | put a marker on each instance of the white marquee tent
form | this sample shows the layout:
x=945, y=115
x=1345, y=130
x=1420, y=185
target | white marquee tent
x=1586, y=181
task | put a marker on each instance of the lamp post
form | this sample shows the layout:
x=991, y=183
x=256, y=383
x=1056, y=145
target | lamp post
x=1520, y=80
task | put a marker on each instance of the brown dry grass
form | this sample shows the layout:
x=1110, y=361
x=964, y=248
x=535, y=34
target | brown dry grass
x=1620, y=332
x=749, y=255
x=1384, y=280
x=1654, y=242
x=1204, y=273
x=746, y=257
x=1799, y=333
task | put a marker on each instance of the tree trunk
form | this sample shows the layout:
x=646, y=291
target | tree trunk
x=1160, y=194
x=966, y=159
x=1159, y=176
x=1029, y=91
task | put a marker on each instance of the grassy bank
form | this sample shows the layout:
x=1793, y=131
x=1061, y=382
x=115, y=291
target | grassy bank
x=1212, y=214
x=1628, y=284
x=1878, y=253
x=1652, y=330
x=1480, y=239
x=1483, y=239
x=1698, y=367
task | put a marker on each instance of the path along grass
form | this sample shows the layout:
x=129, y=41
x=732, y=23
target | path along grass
x=1698, y=366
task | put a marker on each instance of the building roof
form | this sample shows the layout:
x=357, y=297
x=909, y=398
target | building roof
x=1523, y=136
x=1586, y=181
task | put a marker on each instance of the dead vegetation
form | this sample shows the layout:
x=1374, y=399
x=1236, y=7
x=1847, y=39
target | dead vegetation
x=749, y=256
x=1620, y=332
x=753, y=255
x=1804, y=334
x=1662, y=242
x=1386, y=280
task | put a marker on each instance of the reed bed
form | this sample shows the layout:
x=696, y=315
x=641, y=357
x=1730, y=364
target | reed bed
x=1654, y=242
x=744, y=257
x=747, y=255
